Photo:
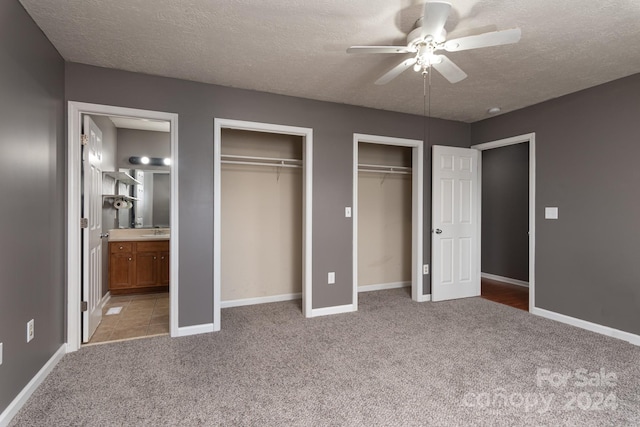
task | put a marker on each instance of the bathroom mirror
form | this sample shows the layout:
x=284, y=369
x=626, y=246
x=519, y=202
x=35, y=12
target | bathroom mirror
x=152, y=200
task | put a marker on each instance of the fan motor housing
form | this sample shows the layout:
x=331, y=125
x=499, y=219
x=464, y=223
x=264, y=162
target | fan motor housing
x=415, y=37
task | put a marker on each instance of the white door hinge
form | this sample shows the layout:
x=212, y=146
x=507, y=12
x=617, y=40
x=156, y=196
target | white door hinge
x=84, y=139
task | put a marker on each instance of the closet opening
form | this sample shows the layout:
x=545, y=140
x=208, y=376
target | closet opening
x=387, y=215
x=261, y=248
x=384, y=217
x=262, y=215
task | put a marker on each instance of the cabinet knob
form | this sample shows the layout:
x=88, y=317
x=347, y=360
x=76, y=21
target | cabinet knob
x=161, y=257
x=120, y=247
x=155, y=257
x=129, y=258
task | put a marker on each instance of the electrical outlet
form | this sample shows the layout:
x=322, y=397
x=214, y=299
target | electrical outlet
x=347, y=212
x=30, y=330
x=425, y=269
x=331, y=277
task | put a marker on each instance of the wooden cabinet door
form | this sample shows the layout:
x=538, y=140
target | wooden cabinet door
x=134, y=266
x=121, y=270
x=163, y=268
x=146, y=269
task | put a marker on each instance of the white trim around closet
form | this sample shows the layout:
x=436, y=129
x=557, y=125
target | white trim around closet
x=307, y=162
x=417, y=218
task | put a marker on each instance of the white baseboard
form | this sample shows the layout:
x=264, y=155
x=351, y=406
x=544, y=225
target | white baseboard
x=584, y=324
x=259, y=300
x=504, y=279
x=348, y=308
x=205, y=328
x=31, y=386
x=424, y=298
x=383, y=286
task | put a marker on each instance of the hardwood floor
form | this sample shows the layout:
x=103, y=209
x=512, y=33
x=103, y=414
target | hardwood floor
x=505, y=293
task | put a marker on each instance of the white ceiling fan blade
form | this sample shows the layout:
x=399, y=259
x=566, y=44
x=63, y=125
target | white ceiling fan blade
x=396, y=71
x=379, y=49
x=434, y=17
x=448, y=69
x=494, y=38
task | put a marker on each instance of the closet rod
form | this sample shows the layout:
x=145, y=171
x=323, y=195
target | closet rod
x=384, y=171
x=362, y=167
x=277, y=165
x=259, y=159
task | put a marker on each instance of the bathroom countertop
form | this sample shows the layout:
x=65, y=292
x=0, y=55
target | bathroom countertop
x=138, y=234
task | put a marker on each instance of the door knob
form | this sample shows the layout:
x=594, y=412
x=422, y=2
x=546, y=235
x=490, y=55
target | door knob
x=104, y=235
x=438, y=231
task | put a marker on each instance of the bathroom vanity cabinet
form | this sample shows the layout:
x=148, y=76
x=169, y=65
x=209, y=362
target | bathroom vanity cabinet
x=138, y=266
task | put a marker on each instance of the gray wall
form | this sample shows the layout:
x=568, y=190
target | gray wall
x=32, y=170
x=132, y=142
x=586, y=164
x=505, y=211
x=333, y=124
x=161, y=199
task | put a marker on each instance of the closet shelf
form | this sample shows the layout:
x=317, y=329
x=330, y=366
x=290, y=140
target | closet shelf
x=402, y=170
x=123, y=177
x=260, y=161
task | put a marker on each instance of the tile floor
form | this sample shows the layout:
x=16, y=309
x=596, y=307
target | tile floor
x=141, y=316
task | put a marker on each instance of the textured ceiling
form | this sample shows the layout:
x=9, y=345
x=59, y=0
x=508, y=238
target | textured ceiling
x=297, y=47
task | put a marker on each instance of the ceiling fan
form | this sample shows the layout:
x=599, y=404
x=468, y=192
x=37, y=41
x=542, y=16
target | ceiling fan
x=429, y=37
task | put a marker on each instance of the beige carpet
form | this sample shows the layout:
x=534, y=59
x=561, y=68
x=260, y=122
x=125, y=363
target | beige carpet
x=394, y=362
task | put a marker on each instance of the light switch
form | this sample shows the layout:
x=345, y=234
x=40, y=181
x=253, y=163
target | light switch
x=331, y=278
x=551, y=213
x=347, y=212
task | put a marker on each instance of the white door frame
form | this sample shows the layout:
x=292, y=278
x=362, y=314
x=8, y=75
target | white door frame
x=307, y=196
x=531, y=139
x=417, y=215
x=74, y=247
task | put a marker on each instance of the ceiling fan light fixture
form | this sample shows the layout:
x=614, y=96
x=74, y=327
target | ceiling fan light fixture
x=451, y=46
x=429, y=36
x=434, y=59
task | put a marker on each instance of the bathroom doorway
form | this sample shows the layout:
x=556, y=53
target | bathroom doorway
x=134, y=285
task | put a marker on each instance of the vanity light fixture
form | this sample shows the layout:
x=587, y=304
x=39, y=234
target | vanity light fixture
x=153, y=161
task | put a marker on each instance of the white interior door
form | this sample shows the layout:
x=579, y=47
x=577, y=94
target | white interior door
x=92, y=235
x=455, y=230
